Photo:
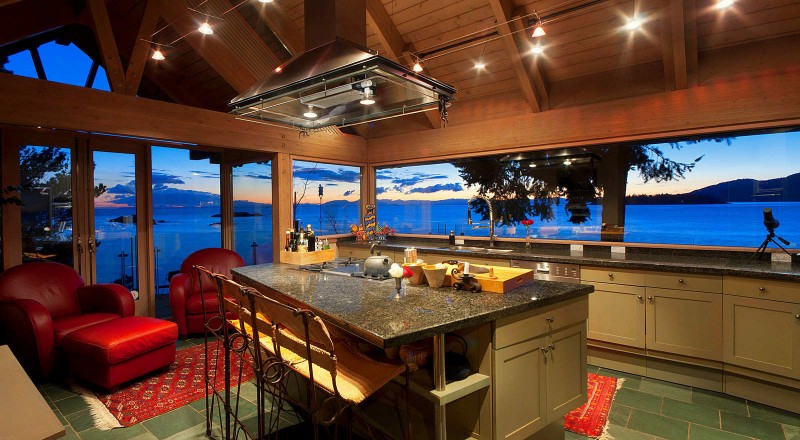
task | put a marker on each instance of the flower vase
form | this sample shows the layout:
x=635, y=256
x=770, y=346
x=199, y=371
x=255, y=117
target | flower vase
x=527, y=238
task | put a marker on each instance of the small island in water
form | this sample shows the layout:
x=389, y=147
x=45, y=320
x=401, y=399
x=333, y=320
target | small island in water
x=241, y=214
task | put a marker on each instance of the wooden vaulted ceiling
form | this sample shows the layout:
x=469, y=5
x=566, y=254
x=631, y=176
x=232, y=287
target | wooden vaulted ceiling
x=588, y=57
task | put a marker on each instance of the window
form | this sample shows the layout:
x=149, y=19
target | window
x=326, y=196
x=186, y=208
x=691, y=191
x=252, y=212
x=60, y=63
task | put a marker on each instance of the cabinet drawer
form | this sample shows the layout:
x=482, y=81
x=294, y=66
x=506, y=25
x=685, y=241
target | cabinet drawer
x=760, y=288
x=680, y=281
x=616, y=276
x=533, y=323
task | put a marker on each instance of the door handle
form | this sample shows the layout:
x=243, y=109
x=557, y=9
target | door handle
x=552, y=347
x=91, y=245
x=544, y=349
x=80, y=246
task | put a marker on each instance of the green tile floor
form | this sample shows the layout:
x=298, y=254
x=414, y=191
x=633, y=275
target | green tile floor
x=644, y=408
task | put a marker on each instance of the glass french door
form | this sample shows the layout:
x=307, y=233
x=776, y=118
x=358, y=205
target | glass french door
x=252, y=211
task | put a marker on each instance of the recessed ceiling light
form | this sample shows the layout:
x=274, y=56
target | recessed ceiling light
x=480, y=65
x=723, y=4
x=310, y=114
x=205, y=29
x=533, y=165
x=633, y=24
x=278, y=69
x=538, y=49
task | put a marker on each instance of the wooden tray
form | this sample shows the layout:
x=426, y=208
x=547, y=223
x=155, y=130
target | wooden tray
x=301, y=258
x=505, y=279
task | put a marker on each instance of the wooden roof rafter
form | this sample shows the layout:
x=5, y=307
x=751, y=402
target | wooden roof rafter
x=528, y=74
x=282, y=27
x=108, y=46
x=393, y=43
x=141, y=48
x=679, y=43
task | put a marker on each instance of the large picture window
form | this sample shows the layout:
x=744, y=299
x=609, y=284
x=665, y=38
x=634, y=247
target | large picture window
x=692, y=192
x=326, y=196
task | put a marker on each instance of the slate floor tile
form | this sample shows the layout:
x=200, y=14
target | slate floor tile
x=173, y=422
x=765, y=412
x=700, y=432
x=720, y=401
x=752, y=427
x=657, y=425
x=639, y=400
x=666, y=389
x=691, y=413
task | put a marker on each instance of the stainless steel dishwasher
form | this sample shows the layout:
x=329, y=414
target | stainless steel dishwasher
x=565, y=273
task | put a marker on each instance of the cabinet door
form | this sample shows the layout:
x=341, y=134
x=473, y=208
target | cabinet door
x=762, y=334
x=565, y=365
x=684, y=322
x=519, y=390
x=616, y=314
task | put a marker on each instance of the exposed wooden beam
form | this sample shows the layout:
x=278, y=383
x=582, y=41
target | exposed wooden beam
x=8, y=2
x=60, y=106
x=678, y=53
x=141, y=48
x=164, y=79
x=394, y=45
x=502, y=11
x=761, y=102
x=108, y=46
x=690, y=26
x=282, y=26
x=216, y=53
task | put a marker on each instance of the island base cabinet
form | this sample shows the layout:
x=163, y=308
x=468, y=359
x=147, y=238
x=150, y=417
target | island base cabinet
x=519, y=390
x=763, y=335
x=538, y=381
x=566, y=371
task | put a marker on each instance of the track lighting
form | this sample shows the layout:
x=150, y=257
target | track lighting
x=538, y=49
x=417, y=67
x=480, y=65
x=538, y=31
x=205, y=29
x=157, y=55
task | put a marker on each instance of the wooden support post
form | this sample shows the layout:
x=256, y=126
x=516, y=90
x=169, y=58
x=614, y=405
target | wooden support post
x=281, y=200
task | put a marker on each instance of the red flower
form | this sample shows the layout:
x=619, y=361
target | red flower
x=407, y=273
x=527, y=222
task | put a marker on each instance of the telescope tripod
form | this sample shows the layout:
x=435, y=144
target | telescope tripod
x=770, y=238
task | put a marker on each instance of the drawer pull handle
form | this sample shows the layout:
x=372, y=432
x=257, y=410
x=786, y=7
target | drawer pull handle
x=650, y=298
x=762, y=289
x=550, y=319
x=797, y=316
x=544, y=349
x=680, y=280
x=611, y=275
x=552, y=347
x=641, y=298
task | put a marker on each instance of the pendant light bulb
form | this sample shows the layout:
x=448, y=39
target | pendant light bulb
x=310, y=114
x=157, y=55
x=538, y=49
x=205, y=29
x=633, y=24
x=539, y=30
x=417, y=67
x=480, y=65
x=367, y=97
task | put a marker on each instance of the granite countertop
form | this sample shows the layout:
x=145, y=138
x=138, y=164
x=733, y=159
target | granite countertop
x=376, y=312
x=671, y=260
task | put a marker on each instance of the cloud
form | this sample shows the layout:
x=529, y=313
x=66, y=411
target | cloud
x=384, y=174
x=437, y=188
x=164, y=178
x=129, y=188
x=381, y=190
x=205, y=174
x=347, y=193
x=413, y=179
x=257, y=176
x=321, y=174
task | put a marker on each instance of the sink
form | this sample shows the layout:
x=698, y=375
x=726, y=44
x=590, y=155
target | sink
x=498, y=251
x=464, y=248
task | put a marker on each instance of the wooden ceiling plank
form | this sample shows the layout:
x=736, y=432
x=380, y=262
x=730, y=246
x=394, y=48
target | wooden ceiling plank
x=673, y=43
x=393, y=44
x=502, y=12
x=108, y=47
x=691, y=42
x=213, y=50
x=141, y=49
x=282, y=27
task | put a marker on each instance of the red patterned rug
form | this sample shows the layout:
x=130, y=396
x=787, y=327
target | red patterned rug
x=590, y=418
x=164, y=391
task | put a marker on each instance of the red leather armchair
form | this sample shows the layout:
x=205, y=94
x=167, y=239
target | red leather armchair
x=41, y=302
x=185, y=295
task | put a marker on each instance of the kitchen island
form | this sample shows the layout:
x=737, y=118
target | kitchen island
x=512, y=333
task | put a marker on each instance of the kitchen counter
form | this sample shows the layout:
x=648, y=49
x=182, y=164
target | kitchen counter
x=671, y=260
x=378, y=313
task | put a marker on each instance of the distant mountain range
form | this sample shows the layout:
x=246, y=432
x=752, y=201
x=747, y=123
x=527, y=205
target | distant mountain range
x=782, y=189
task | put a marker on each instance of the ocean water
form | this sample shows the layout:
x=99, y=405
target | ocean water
x=178, y=232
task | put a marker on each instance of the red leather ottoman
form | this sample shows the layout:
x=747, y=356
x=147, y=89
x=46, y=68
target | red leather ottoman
x=111, y=353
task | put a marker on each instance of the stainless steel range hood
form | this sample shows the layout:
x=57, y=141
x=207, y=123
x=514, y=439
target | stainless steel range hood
x=337, y=80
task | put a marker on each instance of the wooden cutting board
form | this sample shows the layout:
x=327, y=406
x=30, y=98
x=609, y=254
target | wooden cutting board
x=505, y=279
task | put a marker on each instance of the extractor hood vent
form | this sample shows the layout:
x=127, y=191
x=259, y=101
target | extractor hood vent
x=344, y=84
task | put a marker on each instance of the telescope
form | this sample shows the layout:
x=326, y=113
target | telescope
x=771, y=224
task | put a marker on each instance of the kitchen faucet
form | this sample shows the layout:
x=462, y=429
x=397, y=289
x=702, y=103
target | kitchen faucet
x=491, y=218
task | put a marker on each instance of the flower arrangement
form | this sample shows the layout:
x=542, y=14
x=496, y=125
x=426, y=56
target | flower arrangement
x=362, y=234
x=527, y=223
